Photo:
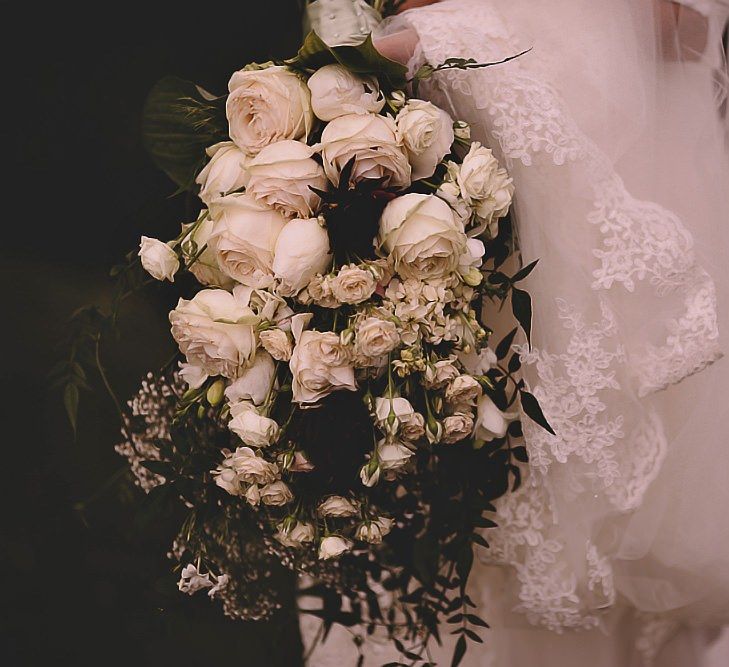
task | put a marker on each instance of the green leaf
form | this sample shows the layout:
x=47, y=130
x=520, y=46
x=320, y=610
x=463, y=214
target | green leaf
x=180, y=120
x=502, y=349
x=521, y=306
x=523, y=273
x=459, y=652
x=531, y=407
x=361, y=58
x=70, y=402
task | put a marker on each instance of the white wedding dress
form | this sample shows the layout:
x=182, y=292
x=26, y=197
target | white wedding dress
x=615, y=550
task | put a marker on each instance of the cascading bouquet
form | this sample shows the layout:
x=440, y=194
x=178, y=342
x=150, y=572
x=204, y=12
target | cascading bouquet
x=338, y=411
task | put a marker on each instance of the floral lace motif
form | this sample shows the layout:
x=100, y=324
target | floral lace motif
x=641, y=243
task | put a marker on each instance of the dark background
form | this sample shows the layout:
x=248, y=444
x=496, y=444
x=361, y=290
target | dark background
x=84, y=580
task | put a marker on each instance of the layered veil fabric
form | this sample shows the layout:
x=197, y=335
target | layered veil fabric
x=613, y=129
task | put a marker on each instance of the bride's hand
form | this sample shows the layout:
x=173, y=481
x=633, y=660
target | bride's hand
x=400, y=46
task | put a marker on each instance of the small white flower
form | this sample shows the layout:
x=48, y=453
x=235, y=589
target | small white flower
x=427, y=134
x=370, y=473
x=333, y=546
x=277, y=343
x=353, y=284
x=373, y=531
x=221, y=582
x=375, y=338
x=191, y=581
x=254, y=429
x=457, y=427
x=251, y=468
x=463, y=389
x=300, y=533
x=158, y=259
x=491, y=422
x=393, y=456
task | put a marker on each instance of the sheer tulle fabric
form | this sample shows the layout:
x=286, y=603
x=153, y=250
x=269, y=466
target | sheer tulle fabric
x=612, y=129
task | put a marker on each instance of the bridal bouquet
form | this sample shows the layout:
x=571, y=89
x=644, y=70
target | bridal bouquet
x=339, y=409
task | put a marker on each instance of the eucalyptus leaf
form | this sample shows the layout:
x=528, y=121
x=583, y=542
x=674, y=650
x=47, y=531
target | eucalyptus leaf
x=180, y=120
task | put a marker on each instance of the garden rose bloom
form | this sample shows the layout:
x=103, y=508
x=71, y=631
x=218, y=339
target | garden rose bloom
x=282, y=176
x=456, y=427
x=295, y=536
x=337, y=506
x=215, y=332
x=276, y=494
x=353, y=284
x=277, y=343
x=265, y=106
x=427, y=134
x=254, y=382
x=333, y=546
x=244, y=238
x=205, y=266
x=422, y=236
x=491, y=422
x=335, y=91
x=373, y=531
x=375, y=338
x=302, y=250
x=251, y=468
x=224, y=173
x=463, y=390
x=393, y=456
x=254, y=429
x=374, y=144
x=158, y=259
x=484, y=184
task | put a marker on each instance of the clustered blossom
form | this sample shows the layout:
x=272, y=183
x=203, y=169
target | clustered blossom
x=278, y=316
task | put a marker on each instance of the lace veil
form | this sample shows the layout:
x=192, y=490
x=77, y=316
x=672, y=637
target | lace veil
x=613, y=128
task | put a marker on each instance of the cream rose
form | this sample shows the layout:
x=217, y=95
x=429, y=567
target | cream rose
x=265, y=106
x=254, y=382
x=414, y=428
x=373, y=531
x=302, y=250
x=375, y=338
x=333, y=546
x=422, y=236
x=439, y=374
x=296, y=535
x=456, y=427
x=491, y=422
x=353, y=284
x=201, y=259
x=244, y=238
x=372, y=142
x=251, y=468
x=393, y=456
x=227, y=479
x=478, y=363
x=276, y=494
x=319, y=290
x=463, y=390
x=254, y=429
x=224, y=173
x=215, y=332
x=277, y=343
x=390, y=413
x=427, y=134
x=158, y=259
x=320, y=364
x=337, y=506
x=335, y=91
x=282, y=176
x=484, y=184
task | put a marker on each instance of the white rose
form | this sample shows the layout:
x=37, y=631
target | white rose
x=484, y=184
x=255, y=382
x=319, y=290
x=333, y=546
x=373, y=142
x=302, y=250
x=225, y=172
x=375, y=338
x=191, y=581
x=244, y=238
x=422, y=236
x=463, y=390
x=254, y=429
x=253, y=495
x=427, y=134
x=456, y=427
x=215, y=332
x=227, y=479
x=265, y=106
x=282, y=176
x=439, y=374
x=335, y=91
x=276, y=494
x=478, y=363
x=337, y=506
x=251, y=468
x=391, y=412
x=392, y=456
x=319, y=363
x=414, y=428
x=353, y=284
x=158, y=259
x=491, y=422
x=374, y=531
x=277, y=343
x=201, y=259
x=300, y=533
